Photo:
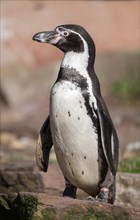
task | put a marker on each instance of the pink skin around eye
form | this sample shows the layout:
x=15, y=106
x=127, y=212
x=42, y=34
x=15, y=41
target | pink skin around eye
x=62, y=33
x=59, y=32
x=60, y=36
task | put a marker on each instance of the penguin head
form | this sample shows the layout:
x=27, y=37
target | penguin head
x=69, y=37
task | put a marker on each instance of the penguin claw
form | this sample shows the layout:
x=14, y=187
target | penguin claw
x=90, y=198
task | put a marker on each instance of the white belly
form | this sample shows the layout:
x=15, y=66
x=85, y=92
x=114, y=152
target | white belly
x=75, y=141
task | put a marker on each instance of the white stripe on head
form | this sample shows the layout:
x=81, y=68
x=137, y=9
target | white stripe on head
x=79, y=61
x=76, y=60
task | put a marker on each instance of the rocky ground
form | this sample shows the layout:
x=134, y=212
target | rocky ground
x=42, y=207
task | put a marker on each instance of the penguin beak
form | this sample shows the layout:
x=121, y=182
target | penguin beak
x=51, y=37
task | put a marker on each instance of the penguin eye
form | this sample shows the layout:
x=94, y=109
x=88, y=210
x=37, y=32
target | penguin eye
x=65, y=33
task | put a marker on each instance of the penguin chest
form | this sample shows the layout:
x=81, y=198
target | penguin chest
x=74, y=136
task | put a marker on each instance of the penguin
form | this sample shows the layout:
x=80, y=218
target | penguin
x=79, y=125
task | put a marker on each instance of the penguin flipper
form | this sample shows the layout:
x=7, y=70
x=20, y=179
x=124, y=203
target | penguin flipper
x=44, y=146
x=109, y=137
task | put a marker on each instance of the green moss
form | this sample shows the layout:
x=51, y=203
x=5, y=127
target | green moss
x=130, y=165
x=25, y=206
x=89, y=214
x=21, y=208
x=46, y=214
x=122, y=216
x=4, y=203
x=5, y=206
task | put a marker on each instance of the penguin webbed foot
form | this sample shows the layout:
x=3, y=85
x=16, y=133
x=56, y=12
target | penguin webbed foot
x=101, y=197
x=96, y=199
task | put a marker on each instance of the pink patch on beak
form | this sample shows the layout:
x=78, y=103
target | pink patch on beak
x=55, y=39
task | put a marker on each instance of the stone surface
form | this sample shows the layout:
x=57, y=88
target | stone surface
x=25, y=177
x=128, y=193
x=18, y=178
x=32, y=206
x=132, y=150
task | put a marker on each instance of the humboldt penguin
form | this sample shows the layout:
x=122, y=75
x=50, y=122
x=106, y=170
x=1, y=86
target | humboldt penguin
x=79, y=124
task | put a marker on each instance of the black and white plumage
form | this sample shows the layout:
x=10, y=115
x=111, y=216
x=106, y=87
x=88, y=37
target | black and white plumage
x=79, y=125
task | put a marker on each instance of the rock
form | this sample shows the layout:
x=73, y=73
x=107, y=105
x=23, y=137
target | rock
x=33, y=206
x=127, y=189
x=133, y=146
x=16, y=142
x=17, y=145
x=25, y=177
x=20, y=178
x=16, y=206
x=7, y=138
x=132, y=150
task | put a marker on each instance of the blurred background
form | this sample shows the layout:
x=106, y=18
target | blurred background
x=29, y=69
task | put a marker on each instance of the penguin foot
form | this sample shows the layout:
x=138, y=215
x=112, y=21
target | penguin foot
x=96, y=199
x=103, y=195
